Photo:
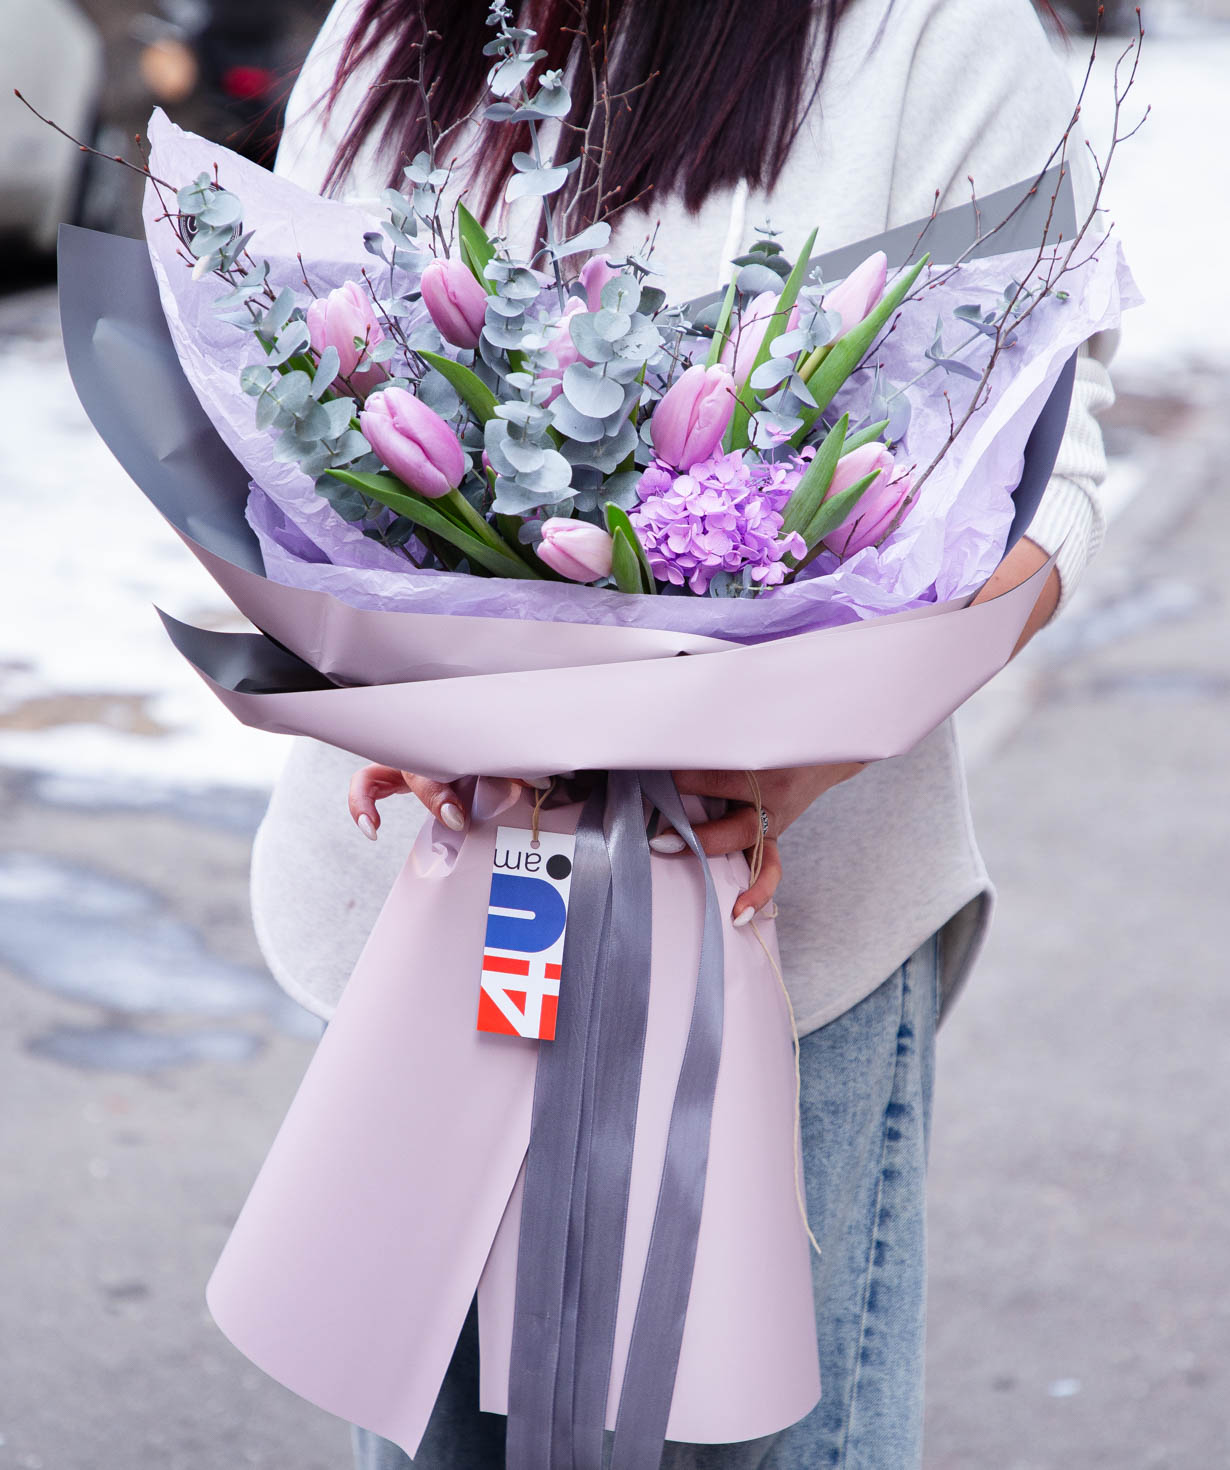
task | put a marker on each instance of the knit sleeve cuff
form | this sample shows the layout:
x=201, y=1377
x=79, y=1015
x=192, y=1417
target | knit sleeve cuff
x=1065, y=524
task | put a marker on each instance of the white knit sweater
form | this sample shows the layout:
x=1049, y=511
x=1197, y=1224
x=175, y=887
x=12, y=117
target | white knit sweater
x=915, y=100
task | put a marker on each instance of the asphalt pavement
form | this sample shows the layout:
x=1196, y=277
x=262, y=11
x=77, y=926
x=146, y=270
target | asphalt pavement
x=1080, y=1190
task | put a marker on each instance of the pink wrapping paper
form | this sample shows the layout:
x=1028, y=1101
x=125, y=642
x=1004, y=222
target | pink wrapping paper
x=352, y=1265
x=864, y=691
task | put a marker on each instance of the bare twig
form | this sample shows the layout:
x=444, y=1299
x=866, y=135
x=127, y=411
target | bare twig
x=142, y=169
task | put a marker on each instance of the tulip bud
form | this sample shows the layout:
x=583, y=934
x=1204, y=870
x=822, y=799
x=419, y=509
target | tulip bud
x=455, y=301
x=347, y=320
x=877, y=506
x=414, y=442
x=595, y=273
x=576, y=549
x=688, y=423
x=740, y=349
x=859, y=294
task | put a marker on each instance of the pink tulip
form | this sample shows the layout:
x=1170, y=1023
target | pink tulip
x=595, y=273
x=740, y=349
x=575, y=549
x=346, y=319
x=877, y=506
x=455, y=301
x=414, y=442
x=857, y=296
x=688, y=424
x=562, y=348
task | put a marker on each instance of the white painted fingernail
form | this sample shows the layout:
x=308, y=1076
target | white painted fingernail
x=745, y=917
x=365, y=825
x=668, y=842
x=452, y=816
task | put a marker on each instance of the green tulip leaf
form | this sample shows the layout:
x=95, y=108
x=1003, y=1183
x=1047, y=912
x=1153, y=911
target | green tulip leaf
x=809, y=493
x=864, y=436
x=737, y=433
x=391, y=492
x=480, y=400
x=722, y=327
x=625, y=564
x=617, y=523
x=836, y=509
x=844, y=355
x=476, y=247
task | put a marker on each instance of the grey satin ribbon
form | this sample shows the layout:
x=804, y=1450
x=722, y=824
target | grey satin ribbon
x=578, y=1170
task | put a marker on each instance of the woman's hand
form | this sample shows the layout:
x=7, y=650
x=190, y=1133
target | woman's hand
x=785, y=795
x=373, y=783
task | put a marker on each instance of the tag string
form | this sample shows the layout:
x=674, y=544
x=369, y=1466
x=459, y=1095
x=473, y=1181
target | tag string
x=536, y=814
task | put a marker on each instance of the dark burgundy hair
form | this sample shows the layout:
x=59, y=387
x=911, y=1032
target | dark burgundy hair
x=716, y=89
x=726, y=84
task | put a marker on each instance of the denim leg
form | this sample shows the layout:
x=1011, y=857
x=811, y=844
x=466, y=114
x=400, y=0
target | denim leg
x=866, y=1115
x=865, y=1119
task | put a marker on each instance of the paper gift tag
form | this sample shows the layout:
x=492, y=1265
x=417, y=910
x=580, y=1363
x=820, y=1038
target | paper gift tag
x=527, y=915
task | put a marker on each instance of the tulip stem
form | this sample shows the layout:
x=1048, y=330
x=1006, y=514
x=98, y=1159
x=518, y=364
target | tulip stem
x=459, y=508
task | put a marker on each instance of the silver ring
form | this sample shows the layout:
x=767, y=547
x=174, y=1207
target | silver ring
x=764, y=822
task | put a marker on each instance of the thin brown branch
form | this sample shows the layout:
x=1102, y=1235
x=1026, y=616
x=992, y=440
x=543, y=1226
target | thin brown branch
x=143, y=169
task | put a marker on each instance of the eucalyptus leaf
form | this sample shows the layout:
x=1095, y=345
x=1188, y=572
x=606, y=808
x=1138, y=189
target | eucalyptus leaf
x=594, y=237
x=586, y=340
x=339, y=411
x=540, y=182
x=350, y=503
x=590, y=393
x=524, y=458
x=551, y=101
x=327, y=368
x=255, y=378
x=222, y=209
x=622, y=489
x=349, y=446
x=769, y=374
x=753, y=279
x=575, y=425
x=505, y=77
x=291, y=340
x=279, y=313
x=611, y=325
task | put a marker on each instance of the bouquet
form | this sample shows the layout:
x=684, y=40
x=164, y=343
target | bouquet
x=478, y=508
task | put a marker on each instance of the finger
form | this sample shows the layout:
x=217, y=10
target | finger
x=728, y=785
x=736, y=831
x=368, y=786
x=761, y=892
x=440, y=800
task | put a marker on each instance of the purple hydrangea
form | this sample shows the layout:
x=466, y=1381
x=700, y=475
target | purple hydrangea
x=721, y=515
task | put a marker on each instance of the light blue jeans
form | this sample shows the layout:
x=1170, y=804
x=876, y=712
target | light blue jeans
x=866, y=1113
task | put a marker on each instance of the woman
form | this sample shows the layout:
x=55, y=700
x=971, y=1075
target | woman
x=853, y=115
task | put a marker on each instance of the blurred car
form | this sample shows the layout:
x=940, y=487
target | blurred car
x=53, y=54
